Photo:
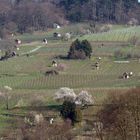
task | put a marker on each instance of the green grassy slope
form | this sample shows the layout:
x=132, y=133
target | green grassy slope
x=30, y=86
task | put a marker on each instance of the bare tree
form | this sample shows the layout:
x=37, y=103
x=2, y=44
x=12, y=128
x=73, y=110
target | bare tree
x=44, y=131
x=121, y=117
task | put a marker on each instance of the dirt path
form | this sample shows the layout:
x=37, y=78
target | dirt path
x=34, y=50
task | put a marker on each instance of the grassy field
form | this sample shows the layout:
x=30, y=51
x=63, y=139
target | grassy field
x=123, y=34
x=31, y=87
x=116, y=33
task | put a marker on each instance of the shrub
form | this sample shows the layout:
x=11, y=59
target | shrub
x=133, y=40
x=80, y=50
x=124, y=55
x=61, y=67
x=51, y=73
x=37, y=102
x=41, y=131
x=105, y=28
x=133, y=22
x=129, y=55
x=119, y=54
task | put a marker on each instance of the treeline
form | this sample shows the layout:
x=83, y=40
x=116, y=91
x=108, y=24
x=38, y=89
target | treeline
x=30, y=15
x=101, y=10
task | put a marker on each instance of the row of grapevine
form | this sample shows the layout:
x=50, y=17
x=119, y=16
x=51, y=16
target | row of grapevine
x=114, y=35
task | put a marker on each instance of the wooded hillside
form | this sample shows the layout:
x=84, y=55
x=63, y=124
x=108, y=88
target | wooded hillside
x=101, y=10
x=29, y=15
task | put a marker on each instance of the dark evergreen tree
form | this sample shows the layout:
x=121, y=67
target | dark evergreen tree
x=70, y=111
x=80, y=50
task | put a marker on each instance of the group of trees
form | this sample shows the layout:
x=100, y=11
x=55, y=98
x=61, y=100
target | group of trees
x=29, y=15
x=118, y=118
x=8, y=48
x=42, y=131
x=101, y=10
x=121, y=116
x=72, y=103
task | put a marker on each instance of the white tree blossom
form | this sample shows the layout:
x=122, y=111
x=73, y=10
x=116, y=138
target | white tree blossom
x=84, y=98
x=8, y=88
x=65, y=94
x=38, y=118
